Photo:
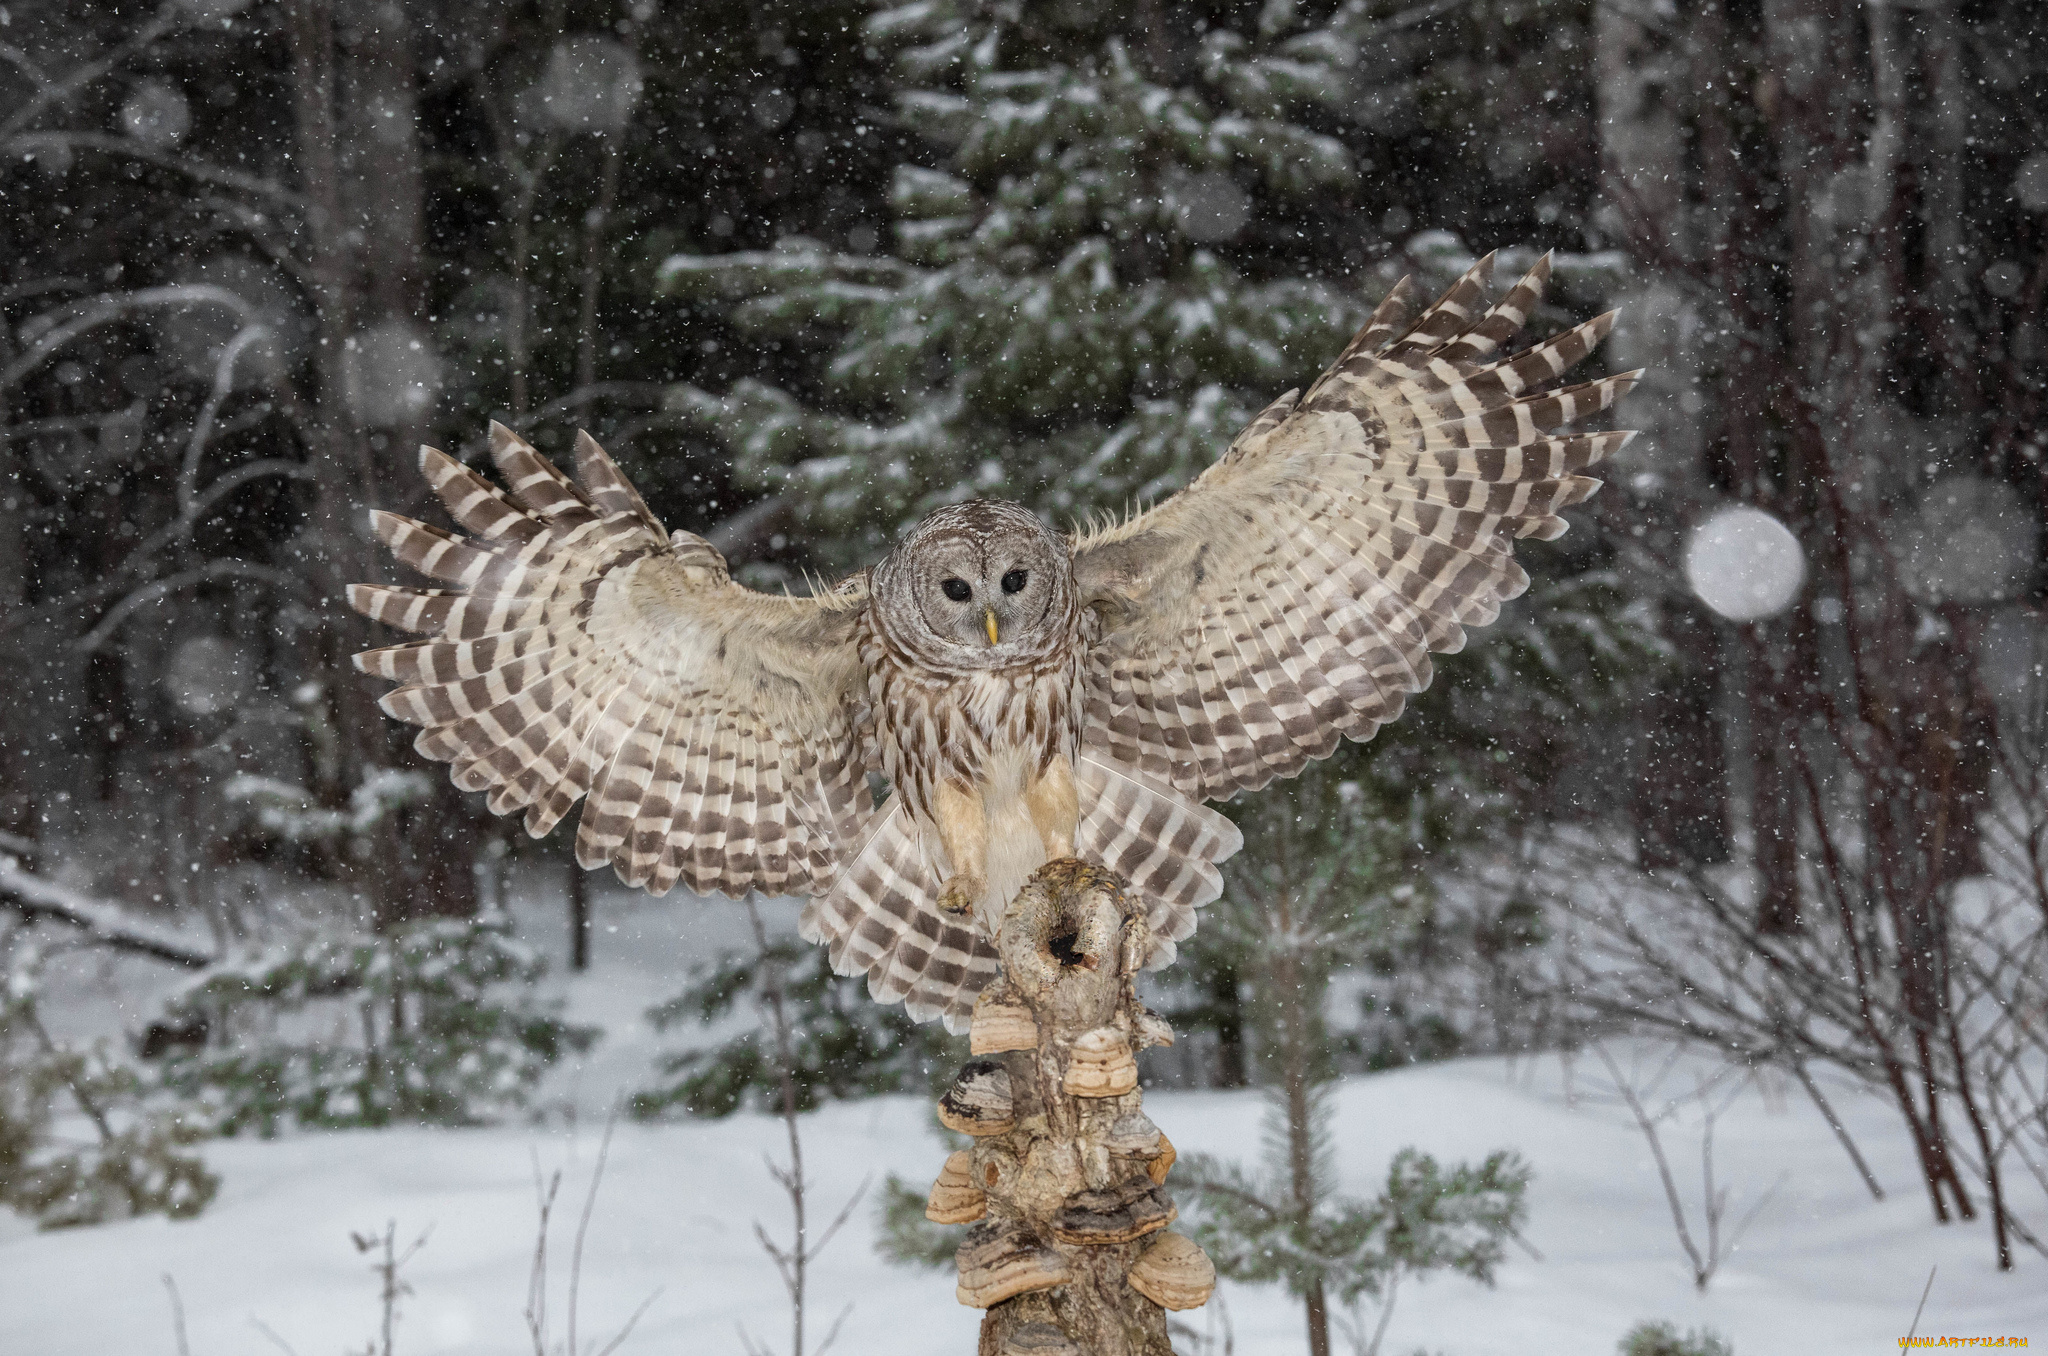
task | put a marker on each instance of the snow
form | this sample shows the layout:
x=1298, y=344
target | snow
x=1972, y=540
x=208, y=675
x=393, y=373
x=1823, y=1270
x=1744, y=563
x=2030, y=183
x=591, y=84
x=156, y=114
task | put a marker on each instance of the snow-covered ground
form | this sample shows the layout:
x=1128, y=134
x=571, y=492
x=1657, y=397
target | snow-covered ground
x=1823, y=1269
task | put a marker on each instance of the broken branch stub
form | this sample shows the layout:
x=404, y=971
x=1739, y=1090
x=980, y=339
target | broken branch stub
x=1067, y=1167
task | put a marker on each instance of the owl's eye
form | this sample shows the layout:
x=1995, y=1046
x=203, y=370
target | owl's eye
x=1013, y=582
x=957, y=590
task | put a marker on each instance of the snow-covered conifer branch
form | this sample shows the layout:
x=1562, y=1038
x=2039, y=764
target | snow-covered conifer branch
x=39, y=898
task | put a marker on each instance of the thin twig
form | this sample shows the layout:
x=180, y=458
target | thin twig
x=608, y=1348
x=537, y=1273
x=1920, y=1308
x=1701, y=1271
x=832, y=1333
x=1841, y=1131
x=604, y=1150
x=177, y=1316
x=275, y=1340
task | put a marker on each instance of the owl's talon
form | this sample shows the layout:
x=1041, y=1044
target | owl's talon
x=959, y=894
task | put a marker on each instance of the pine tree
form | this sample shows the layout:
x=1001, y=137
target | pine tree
x=1097, y=278
x=842, y=1043
x=1330, y=877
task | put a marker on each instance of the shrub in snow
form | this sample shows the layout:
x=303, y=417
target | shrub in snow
x=1258, y=1227
x=1662, y=1339
x=842, y=1044
x=904, y=1236
x=79, y=1142
x=435, y=1023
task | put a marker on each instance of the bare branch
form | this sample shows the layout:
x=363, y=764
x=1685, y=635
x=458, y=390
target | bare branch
x=168, y=19
x=212, y=570
x=200, y=171
x=209, y=413
x=113, y=306
x=275, y=1340
x=631, y=1323
x=604, y=1152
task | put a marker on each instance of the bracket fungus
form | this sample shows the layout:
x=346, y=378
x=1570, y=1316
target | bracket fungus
x=1117, y=1215
x=1002, y=1258
x=1162, y=1162
x=1065, y=1174
x=1002, y=1022
x=979, y=1102
x=1103, y=1065
x=1132, y=1135
x=956, y=1197
x=1175, y=1273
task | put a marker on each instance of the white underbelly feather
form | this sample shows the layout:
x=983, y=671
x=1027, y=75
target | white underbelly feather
x=1015, y=849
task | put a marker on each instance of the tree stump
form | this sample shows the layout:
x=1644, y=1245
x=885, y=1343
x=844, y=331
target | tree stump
x=1071, y=1254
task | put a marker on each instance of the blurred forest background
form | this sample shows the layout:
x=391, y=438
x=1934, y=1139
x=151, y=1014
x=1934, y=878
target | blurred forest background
x=808, y=269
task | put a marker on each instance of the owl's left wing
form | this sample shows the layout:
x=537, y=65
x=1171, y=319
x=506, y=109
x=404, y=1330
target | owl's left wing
x=583, y=650
x=1293, y=593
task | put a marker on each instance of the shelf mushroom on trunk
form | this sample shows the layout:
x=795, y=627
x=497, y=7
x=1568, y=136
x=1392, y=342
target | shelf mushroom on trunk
x=1072, y=1252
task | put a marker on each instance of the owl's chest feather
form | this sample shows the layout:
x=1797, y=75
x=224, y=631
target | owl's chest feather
x=971, y=726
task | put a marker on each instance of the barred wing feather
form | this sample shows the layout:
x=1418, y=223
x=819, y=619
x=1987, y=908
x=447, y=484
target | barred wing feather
x=585, y=653
x=1293, y=594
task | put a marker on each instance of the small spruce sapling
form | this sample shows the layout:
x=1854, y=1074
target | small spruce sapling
x=1258, y=1228
x=903, y=1234
x=842, y=1044
x=132, y=1161
x=1664, y=1339
x=447, y=1029
x=1329, y=877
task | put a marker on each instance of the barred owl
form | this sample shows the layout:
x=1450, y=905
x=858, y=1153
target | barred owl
x=906, y=748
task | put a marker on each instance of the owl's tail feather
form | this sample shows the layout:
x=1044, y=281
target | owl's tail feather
x=1166, y=846
x=881, y=918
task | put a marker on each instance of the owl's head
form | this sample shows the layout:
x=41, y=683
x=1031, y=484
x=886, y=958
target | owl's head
x=983, y=584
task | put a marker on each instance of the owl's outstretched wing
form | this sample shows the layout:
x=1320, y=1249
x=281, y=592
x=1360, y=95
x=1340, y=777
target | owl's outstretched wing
x=584, y=651
x=1293, y=593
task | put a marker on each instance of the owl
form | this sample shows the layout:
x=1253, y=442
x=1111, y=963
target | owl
x=903, y=750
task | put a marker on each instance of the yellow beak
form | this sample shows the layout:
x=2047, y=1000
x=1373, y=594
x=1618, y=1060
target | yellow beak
x=989, y=615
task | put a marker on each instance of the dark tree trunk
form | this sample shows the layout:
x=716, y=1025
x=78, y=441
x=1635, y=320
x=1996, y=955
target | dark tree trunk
x=355, y=98
x=579, y=916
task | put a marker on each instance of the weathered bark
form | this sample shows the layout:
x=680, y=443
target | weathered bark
x=1062, y=1165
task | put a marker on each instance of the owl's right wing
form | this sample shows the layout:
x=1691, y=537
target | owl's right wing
x=1293, y=593
x=583, y=651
